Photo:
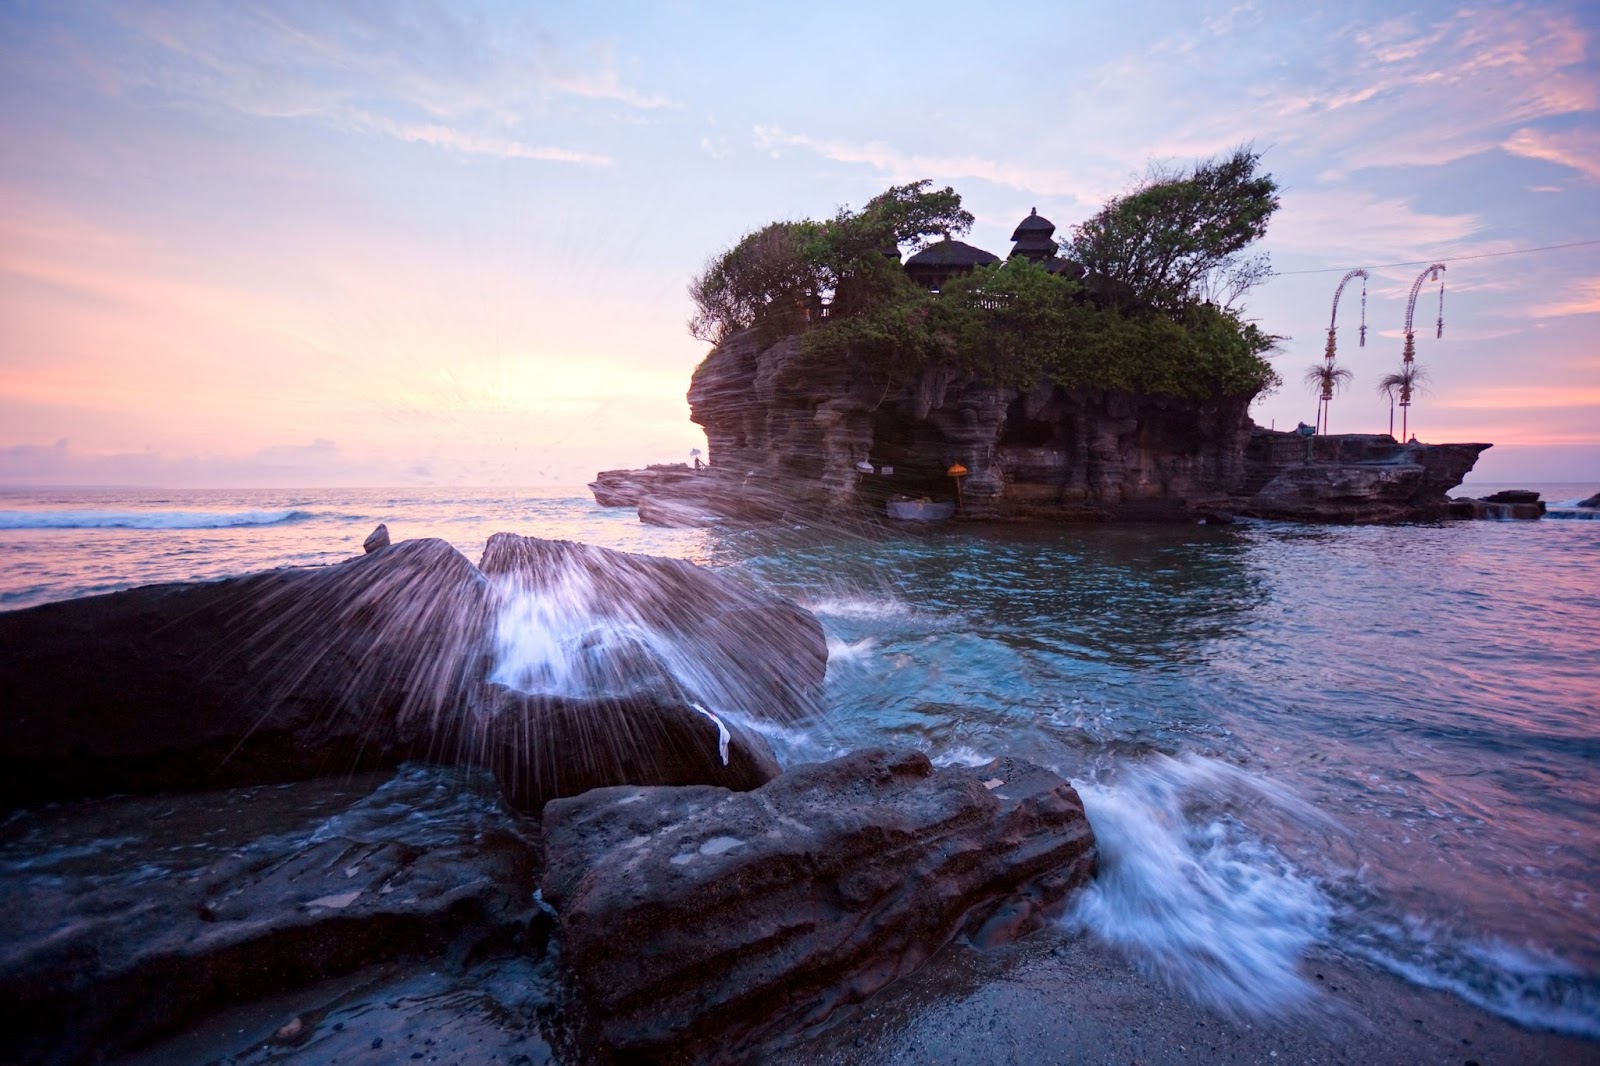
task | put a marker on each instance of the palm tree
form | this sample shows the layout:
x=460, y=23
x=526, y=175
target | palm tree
x=1326, y=379
x=1401, y=385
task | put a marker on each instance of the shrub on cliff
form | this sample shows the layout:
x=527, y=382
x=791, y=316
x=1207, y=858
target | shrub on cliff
x=779, y=276
x=1017, y=324
x=1156, y=263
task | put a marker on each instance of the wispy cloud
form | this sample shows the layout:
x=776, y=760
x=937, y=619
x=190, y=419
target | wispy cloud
x=1404, y=94
x=1345, y=223
x=902, y=166
x=1522, y=397
x=1578, y=149
x=1580, y=298
x=423, y=73
x=467, y=142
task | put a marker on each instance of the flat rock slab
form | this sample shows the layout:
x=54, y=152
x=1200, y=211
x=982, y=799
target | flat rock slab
x=503, y=1011
x=122, y=919
x=697, y=921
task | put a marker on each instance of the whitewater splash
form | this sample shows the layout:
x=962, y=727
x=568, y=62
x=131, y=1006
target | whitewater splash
x=96, y=519
x=570, y=634
x=1529, y=986
x=1188, y=893
x=867, y=608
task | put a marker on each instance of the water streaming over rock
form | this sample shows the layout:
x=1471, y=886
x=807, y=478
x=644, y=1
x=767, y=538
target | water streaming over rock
x=1374, y=742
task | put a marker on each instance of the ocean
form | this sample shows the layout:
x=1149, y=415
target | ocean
x=1381, y=743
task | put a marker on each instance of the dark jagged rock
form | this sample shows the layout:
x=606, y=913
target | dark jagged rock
x=749, y=915
x=283, y=675
x=297, y=673
x=546, y=747
x=1592, y=501
x=1518, y=504
x=1512, y=496
x=1353, y=477
x=625, y=488
x=123, y=919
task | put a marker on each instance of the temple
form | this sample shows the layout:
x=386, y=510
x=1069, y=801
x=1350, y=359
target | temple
x=943, y=260
x=1033, y=239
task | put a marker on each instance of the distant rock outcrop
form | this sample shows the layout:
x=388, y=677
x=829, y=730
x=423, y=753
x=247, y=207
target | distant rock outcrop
x=625, y=488
x=1049, y=452
x=698, y=920
x=791, y=435
x=1352, y=477
x=1506, y=504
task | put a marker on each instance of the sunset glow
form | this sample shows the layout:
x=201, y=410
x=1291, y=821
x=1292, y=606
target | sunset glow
x=328, y=244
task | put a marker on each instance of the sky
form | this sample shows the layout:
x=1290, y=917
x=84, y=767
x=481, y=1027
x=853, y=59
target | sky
x=376, y=242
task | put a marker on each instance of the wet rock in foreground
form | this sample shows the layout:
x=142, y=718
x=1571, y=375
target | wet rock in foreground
x=124, y=919
x=698, y=921
x=541, y=748
x=400, y=654
x=284, y=675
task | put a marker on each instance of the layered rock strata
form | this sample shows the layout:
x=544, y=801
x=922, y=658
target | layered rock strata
x=749, y=915
x=1047, y=452
x=1352, y=477
x=123, y=919
x=1521, y=504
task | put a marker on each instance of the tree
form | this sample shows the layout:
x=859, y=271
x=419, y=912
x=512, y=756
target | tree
x=1179, y=236
x=767, y=269
x=1400, y=386
x=1326, y=379
x=785, y=267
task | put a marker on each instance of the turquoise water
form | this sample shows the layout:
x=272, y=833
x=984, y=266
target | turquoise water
x=1381, y=742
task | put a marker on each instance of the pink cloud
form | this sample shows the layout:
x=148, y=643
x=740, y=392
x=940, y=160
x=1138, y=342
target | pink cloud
x=1578, y=149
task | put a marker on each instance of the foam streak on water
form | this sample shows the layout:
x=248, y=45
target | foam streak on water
x=1191, y=895
x=89, y=518
x=1524, y=983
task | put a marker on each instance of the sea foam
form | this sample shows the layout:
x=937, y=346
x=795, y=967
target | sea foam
x=95, y=519
x=1190, y=895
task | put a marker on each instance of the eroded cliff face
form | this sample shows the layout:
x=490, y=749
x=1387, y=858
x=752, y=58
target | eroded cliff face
x=1047, y=452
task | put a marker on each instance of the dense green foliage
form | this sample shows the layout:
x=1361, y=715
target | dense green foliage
x=1139, y=321
x=776, y=273
x=1016, y=324
x=1180, y=236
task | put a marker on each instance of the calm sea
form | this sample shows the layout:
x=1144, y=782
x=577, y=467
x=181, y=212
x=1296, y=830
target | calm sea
x=1378, y=742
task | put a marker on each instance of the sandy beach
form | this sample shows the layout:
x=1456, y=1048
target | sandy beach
x=1056, y=998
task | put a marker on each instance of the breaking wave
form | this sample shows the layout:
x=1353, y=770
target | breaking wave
x=92, y=519
x=1194, y=898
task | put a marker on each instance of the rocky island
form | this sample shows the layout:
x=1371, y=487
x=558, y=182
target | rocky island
x=1104, y=383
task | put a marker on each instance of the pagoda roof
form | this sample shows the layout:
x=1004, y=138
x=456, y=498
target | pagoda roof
x=951, y=253
x=1035, y=223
